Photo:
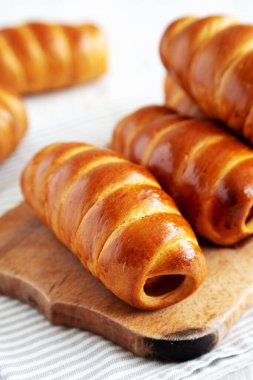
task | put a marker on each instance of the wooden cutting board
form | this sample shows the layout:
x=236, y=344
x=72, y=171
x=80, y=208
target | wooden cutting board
x=39, y=270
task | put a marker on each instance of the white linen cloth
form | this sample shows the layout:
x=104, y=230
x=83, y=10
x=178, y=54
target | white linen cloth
x=30, y=348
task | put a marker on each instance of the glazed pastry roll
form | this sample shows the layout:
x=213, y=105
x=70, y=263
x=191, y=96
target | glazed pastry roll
x=179, y=100
x=13, y=122
x=114, y=216
x=37, y=57
x=212, y=59
x=207, y=171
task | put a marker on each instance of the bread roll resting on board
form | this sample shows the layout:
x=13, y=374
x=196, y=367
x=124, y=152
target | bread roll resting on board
x=39, y=56
x=207, y=171
x=212, y=59
x=114, y=216
x=179, y=100
x=13, y=122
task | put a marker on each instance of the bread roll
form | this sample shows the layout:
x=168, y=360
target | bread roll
x=13, y=122
x=212, y=58
x=114, y=216
x=37, y=57
x=207, y=171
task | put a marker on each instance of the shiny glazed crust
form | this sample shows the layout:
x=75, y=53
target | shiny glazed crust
x=114, y=216
x=13, y=122
x=37, y=57
x=207, y=171
x=212, y=60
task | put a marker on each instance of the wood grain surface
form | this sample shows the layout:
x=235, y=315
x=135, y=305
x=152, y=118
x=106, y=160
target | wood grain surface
x=39, y=270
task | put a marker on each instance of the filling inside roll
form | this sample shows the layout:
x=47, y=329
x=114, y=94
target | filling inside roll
x=161, y=285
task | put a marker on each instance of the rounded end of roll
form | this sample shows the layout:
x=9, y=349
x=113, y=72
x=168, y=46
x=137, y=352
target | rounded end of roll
x=231, y=212
x=186, y=269
x=154, y=262
x=167, y=290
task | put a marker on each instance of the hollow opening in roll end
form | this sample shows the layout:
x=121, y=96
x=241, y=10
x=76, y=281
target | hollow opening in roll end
x=161, y=285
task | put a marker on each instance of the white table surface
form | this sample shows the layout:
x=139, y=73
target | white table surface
x=133, y=30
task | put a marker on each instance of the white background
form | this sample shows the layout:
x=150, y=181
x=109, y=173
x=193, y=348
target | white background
x=133, y=29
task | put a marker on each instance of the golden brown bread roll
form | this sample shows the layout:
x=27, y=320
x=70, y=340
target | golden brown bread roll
x=13, y=122
x=212, y=60
x=38, y=57
x=207, y=171
x=114, y=216
x=179, y=100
